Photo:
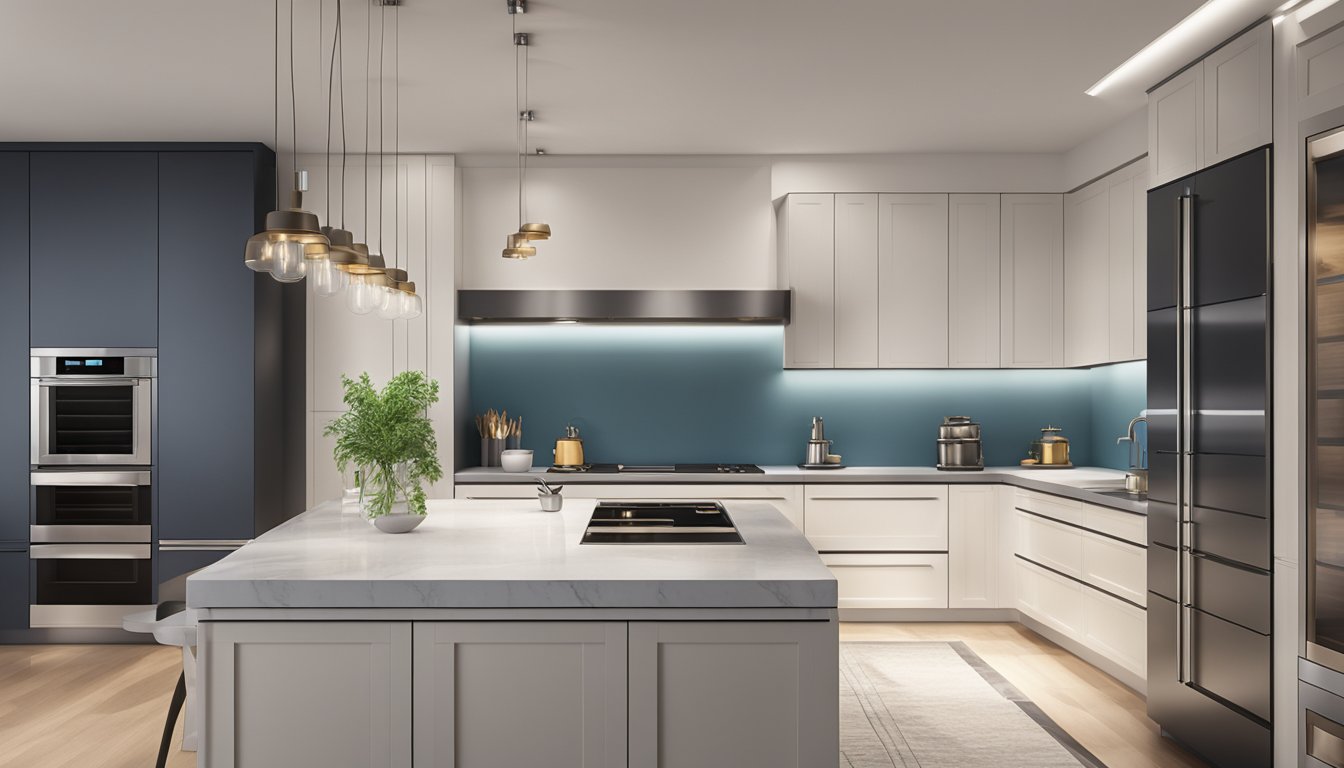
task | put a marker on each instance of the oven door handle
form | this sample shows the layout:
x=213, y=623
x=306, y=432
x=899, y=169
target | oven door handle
x=101, y=479
x=86, y=381
x=88, y=552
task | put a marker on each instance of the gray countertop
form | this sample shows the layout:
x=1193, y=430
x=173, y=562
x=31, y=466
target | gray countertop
x=1082, y=483
x=507, y=554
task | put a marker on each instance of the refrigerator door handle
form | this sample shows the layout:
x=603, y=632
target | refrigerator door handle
x=1184, y=432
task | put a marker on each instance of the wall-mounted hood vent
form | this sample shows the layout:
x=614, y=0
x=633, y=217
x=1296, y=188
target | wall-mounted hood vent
x=475, y=306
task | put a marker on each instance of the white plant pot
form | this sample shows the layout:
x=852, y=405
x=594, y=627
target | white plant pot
x=398, y=522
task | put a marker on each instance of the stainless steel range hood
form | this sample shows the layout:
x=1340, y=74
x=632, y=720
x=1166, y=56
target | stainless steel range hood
x=486, y=306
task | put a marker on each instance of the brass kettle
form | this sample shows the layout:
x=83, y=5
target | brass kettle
x=569, y=449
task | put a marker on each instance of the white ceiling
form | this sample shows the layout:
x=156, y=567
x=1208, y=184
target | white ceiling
x=608, y=76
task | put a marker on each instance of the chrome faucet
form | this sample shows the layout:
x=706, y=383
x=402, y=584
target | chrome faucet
x=1135, y=448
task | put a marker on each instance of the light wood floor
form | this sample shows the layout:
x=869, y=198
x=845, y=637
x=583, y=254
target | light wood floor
x=1102, y=714
x=87, y=706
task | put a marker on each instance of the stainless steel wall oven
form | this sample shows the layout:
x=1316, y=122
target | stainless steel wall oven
x=92, y=407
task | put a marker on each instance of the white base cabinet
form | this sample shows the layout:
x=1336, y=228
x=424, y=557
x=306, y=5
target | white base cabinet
x=563, y=694
x=520, y=693
x=733, y=694
x=876, y=518
x=973, y=547
x=329, y=694
x=887, y=581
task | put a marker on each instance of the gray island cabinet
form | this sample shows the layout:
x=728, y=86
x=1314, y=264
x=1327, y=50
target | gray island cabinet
x=491, y=636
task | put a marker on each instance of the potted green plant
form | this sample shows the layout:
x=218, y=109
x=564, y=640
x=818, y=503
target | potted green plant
x=389, y=436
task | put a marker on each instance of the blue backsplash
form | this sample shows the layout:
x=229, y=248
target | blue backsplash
x=668, y=394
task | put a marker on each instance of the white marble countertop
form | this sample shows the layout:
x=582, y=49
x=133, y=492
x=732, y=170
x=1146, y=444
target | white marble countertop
x=509, y=554
x=1081, y=483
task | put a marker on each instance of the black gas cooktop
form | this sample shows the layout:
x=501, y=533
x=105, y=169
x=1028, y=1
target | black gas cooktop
x=707, y=469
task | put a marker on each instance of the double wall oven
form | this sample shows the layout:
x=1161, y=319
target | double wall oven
x=91, y=485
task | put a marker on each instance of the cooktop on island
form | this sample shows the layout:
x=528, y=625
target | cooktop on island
x=707, y=469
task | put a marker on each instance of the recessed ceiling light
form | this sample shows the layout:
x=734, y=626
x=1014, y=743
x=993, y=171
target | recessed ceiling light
x=1211, y=13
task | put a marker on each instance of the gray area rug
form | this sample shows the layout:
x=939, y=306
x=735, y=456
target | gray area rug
x=931, y=704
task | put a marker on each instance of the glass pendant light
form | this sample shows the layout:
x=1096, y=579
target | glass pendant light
x=517, y=244
x=292, y=237
x=412, y=305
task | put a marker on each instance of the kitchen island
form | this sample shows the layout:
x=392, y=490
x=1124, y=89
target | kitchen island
x=491, y=636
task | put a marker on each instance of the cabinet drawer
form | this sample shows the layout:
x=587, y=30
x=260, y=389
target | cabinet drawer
x=1050, y=598
x=877, y=518
x=1116, y=630
x=890, y=581
x=1113, y=522
x=1065, y=510
x=1116, y=567
x=1049, y=543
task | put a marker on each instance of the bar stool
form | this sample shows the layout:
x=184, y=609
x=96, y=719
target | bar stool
x=172, y=623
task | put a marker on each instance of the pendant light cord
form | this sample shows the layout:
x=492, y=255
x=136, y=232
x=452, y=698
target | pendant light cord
x=382, y=35
x=527, y=107
x=275, y=91
x=368, y=53
x=293, y=104
x=331, y=84
x=518, y=113
x=396, y=134
x=340, y=42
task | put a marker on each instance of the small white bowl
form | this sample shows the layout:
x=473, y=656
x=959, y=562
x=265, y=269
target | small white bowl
x=516, y=460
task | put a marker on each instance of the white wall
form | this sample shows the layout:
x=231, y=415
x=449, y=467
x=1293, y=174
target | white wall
x=343, y=343
x=672, y=223
x=1121, y=144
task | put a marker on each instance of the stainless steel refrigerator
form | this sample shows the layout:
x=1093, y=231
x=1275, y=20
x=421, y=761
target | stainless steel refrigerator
x=1209, y=510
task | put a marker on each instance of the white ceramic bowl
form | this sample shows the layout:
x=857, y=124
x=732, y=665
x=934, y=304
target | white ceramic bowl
x=516, y=460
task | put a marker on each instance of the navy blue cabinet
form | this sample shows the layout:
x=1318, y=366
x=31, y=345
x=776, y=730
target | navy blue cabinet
x=222, y=343
x=14, y=567
x=93, y=251
x=14, y=398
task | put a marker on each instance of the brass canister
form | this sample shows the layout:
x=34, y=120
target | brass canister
x=1054, y=447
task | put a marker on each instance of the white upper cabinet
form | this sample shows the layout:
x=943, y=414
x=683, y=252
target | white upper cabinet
x=856, y=281
x=1238, y=97
x=1176, y=126
x=973, y=281
x=807, y=266
x=1128, y=278
x=1320, y=74
x=912, y=281
x=1087, y=274
x=1031, y=253
x=1220, y=107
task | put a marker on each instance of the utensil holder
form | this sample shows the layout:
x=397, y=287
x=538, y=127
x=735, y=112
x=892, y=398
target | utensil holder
x=491, y=448
x=513, y=442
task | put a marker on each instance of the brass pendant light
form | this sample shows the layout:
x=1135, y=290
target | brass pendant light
x=517, y=245
x=292, y=236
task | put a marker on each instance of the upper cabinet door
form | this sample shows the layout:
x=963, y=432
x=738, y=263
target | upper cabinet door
x=1231, y=243
x=856, y=281
x=807, y=266
x=1176, y=126
x=94, y=249
x=205, y=454
x=1125, y=262
x=973, y=279
x=912, y=279
x=1238, y=96
x=14, y=382
x=1087, y=310
x=1031, y=253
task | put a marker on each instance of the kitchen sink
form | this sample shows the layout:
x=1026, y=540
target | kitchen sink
x=649, y=522
x=1117, y=493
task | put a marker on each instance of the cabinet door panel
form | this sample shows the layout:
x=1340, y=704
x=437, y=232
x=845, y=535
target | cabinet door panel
x=741, y=694
x=890, y=581
x=912, y=279
x=520, y=693
x=1238, y=95
x=1031, y=253
x=1086, y=297
x=334, y=694
x=1117, y=629
x=1050, y=598
x=973, y=279
x=877, y=518
x=807, y=266
x=1176, y=126
x=973, y=546
x=205, y=426
x=856, y=281
x=94, y=249
x=14, y=397
x=1124, y=263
